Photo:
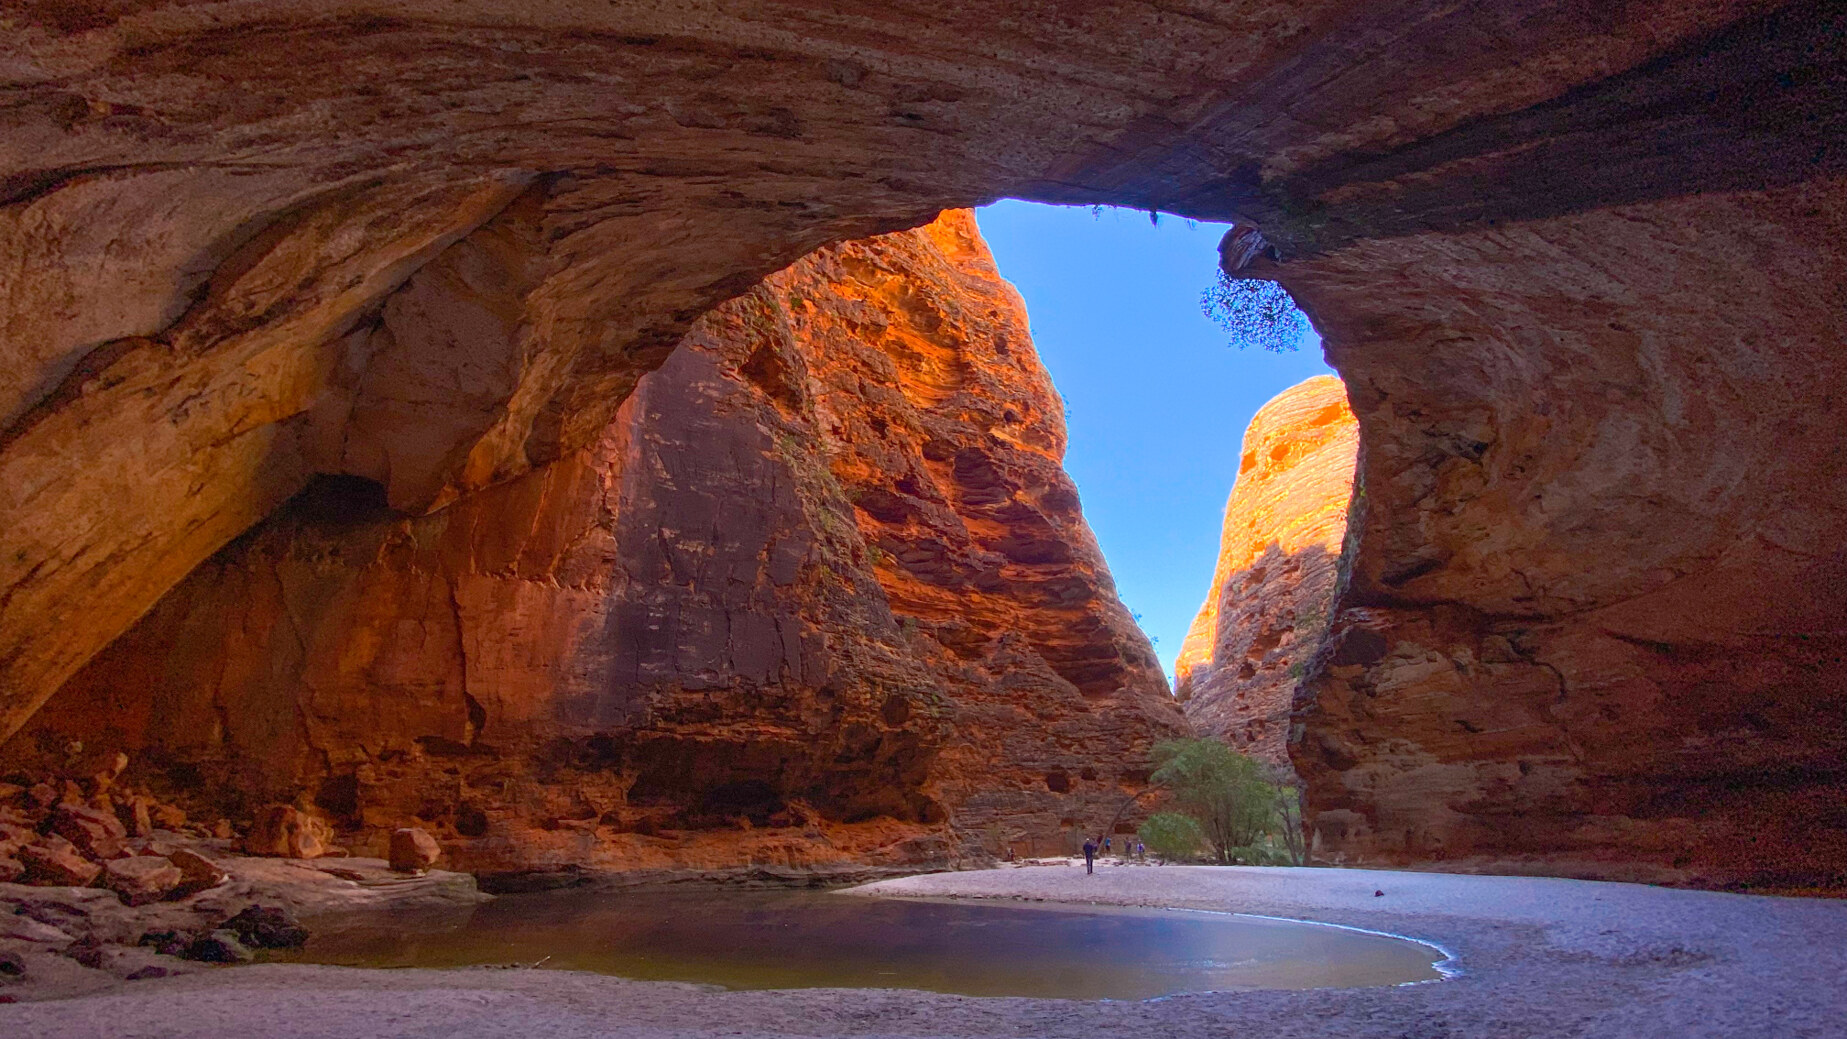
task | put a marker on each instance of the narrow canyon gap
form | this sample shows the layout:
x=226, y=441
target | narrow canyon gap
x=1580, y=268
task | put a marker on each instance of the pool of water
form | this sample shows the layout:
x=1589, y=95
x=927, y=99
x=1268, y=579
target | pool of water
x=812, y=939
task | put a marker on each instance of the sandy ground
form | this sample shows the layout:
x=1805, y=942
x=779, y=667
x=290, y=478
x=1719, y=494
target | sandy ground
x=1540, y=958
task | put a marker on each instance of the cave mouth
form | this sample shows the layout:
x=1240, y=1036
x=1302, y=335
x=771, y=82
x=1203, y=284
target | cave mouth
x=1155, y=392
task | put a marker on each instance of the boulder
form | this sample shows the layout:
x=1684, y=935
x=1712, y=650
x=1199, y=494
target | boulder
x=136, y=816
x=282, y=831
x=89, y=951
x=56, y=861
x=220, y=946
x=142, y=879
x=196, y=871
x=413, y=850
x=267, y=927
x=166, y=816
x=96, y=833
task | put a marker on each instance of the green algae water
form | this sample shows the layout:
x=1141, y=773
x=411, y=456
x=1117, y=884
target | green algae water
x=810, y=939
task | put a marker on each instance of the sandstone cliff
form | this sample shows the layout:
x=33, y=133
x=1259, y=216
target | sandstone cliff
x=1273, y=587
x=1580, y=267
x=1595, y=618
x=822, y=592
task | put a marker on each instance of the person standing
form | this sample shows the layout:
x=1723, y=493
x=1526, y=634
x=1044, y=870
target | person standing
x=1090, y=855
x=1106, y=847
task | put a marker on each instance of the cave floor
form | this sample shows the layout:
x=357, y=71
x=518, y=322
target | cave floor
x=1539, y=957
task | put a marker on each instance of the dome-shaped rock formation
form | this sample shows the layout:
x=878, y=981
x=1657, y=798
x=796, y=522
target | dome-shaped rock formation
x=1279, y=554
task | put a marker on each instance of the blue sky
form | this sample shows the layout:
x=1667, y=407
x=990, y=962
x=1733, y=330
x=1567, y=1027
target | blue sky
x=1157, y=400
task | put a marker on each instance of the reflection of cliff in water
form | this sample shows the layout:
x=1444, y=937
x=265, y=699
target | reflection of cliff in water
x=807, y=939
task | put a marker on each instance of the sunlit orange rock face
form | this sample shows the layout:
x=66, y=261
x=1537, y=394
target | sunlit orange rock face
x=1277, y=569
x=822, y=593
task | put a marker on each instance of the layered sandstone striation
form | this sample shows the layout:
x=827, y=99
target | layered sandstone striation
x=821, y=593
x=1579, y=266
x=1278, y=566
x=1597, y=618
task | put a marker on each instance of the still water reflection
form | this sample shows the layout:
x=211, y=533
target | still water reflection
x=808, y=939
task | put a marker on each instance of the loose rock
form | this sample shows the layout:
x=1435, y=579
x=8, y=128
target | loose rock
x=142, y=879
x=57, y=861
x=98, y=834
x=219, y=946
x=267, y=927
x=136, y=815
x=413, y=850
x=196, y=871
x=282, y=831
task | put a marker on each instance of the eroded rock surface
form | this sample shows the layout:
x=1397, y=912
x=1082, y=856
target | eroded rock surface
x=1274, y=584
x=821, y=593
x=1578, y=265
x=1598, y=614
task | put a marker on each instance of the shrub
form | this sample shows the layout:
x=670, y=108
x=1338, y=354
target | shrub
x=1172, y=836
x=1254, y=312
x=1228, y=794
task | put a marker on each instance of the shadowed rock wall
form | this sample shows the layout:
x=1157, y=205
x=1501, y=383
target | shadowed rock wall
x=822, y=592
x=1598, y=613
x=1274, y=584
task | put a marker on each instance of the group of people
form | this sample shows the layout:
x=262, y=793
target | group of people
x=1093, y=845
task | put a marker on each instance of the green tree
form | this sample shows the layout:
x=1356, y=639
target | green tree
x=1173, y=837
x=1228, y=794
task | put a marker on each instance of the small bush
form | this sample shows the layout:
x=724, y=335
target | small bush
x=1252, y=312
x=1243, y=810
x=1172, y=836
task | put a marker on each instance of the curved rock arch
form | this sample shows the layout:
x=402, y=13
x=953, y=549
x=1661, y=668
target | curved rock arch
x=1581, y=271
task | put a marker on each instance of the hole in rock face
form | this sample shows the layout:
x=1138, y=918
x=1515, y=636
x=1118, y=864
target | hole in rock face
x=470, y=821
x=897, y=710
x=339, y=796
x=751, y=798
x=341, y=500
x=1058, y=782
x=477, y=718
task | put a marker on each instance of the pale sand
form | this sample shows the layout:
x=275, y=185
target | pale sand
x=1540, y=958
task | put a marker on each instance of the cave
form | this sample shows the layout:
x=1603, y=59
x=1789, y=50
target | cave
x=332, y=337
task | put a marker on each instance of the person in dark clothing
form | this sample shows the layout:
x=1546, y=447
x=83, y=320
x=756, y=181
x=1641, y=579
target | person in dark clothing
x=1090, y=855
